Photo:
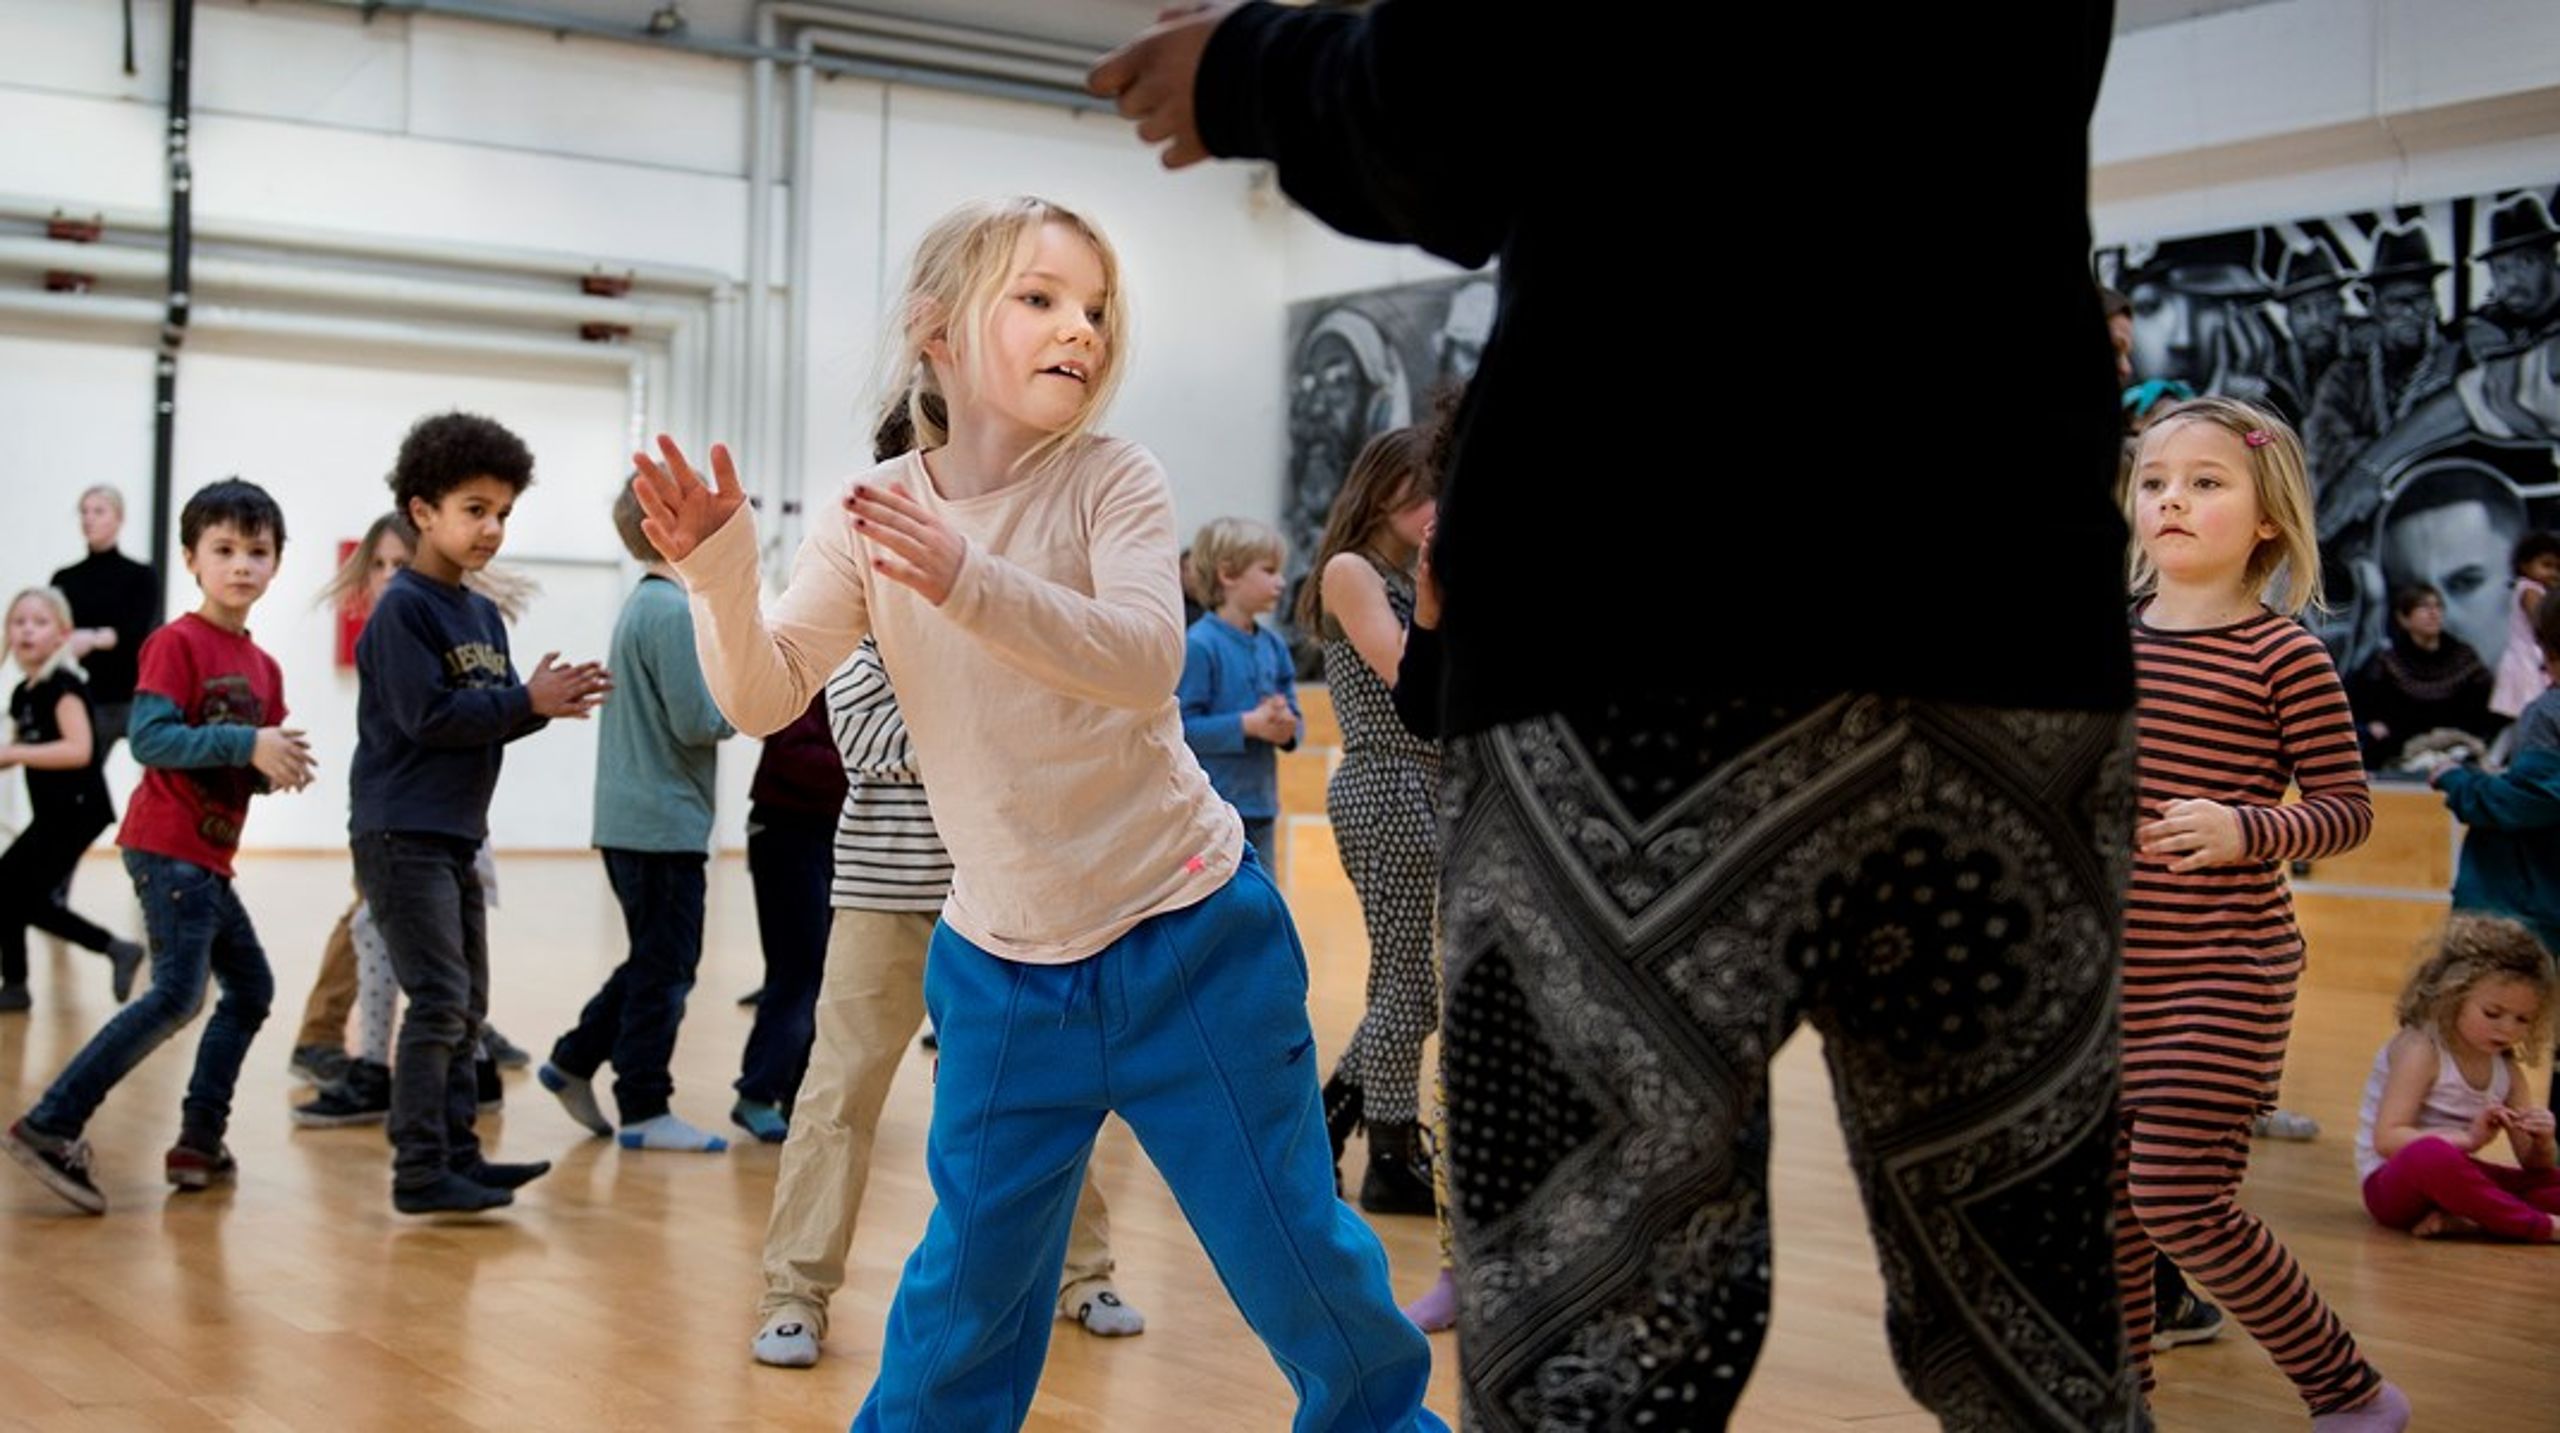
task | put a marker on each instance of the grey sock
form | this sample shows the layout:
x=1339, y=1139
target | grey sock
x=577, y=1095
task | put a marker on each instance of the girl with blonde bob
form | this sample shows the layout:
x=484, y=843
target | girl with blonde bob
x=2234, y=702
x=1109, y=944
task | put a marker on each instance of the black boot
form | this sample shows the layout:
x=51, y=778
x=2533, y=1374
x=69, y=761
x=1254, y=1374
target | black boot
x=1341, y=1117
x=1399, y=1179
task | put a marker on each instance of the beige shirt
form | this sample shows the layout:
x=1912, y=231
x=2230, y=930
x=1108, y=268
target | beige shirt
x=1039, y=696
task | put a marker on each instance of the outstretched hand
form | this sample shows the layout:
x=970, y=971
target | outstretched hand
x=571, y=691
x=679, y=510
x=283, y=756
x=1152, y=78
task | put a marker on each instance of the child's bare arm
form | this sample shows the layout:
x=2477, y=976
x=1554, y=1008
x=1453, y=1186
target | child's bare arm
x=1355, y=597
x=2413, y=1067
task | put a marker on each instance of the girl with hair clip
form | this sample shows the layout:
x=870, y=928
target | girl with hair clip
x=2444, y=1088
x=55, y=741
x=1109, y=943
x=319, y=1049
x=2235, y=701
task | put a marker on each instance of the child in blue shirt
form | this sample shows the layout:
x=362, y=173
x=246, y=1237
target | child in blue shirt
x=1239, y=690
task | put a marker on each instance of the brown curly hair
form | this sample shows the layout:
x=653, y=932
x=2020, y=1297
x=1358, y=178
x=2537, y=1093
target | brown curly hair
x=2473, y=949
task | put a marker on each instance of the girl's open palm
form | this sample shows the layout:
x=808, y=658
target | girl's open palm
x=909, y=543
x=680, y=511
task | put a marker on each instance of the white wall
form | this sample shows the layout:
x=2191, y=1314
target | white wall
x=505, y=139
x=2314, y=107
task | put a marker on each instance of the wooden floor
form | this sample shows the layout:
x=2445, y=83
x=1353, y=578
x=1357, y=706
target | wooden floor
x=618, y=1294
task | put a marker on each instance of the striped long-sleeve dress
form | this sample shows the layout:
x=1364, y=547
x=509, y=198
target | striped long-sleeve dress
x=2211, y=957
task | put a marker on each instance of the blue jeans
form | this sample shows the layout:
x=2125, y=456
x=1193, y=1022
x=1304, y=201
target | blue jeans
x=632, y=1021
x=199, y=934
x=424, y=892
x=1193, y=1026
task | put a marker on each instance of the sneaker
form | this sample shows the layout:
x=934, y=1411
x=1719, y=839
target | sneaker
x=508, y=1054
x=2284, y=1124
x=318, y=1066
x=787, y=1342
x=2192, y=1320
x=363, y=1096
x=14, y=998
x=61, y=1165
x=124, y=961
x=190, y=1168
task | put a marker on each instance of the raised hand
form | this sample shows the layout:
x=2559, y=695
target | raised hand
x=1152, y=78
x=909, y=545
x=567, y=691
x=679, y=510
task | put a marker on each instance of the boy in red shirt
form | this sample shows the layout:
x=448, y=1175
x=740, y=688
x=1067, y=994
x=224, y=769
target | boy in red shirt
x=207, y=727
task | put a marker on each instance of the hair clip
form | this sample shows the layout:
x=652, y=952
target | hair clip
x=2257, y=437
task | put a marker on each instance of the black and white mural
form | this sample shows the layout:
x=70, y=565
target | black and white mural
x=1359, y=365
x=2418, y=351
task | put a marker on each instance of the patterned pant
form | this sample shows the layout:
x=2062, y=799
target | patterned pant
x=1383, y=820
x=1642, y=905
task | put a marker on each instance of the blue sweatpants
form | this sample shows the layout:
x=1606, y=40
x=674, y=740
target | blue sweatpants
x=1193, y=1028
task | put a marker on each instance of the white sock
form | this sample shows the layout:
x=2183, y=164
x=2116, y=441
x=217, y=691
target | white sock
x=668, y=1132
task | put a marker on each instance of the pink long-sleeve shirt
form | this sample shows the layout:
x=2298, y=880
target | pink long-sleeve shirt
x=1039, y=695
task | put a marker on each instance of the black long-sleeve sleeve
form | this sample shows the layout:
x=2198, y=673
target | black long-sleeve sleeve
x=1417, y=690
x=1387, y=124
x=1686, y=253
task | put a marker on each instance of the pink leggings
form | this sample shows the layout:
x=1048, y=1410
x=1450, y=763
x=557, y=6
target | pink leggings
x=2430, y=1174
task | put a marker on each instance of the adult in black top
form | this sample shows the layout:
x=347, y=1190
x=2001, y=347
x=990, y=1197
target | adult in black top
x=116, y=602
x=1665, y=427
x=1699, y=770
x=2426, y=680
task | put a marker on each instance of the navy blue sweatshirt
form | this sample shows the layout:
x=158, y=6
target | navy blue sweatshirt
x=438, y=701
